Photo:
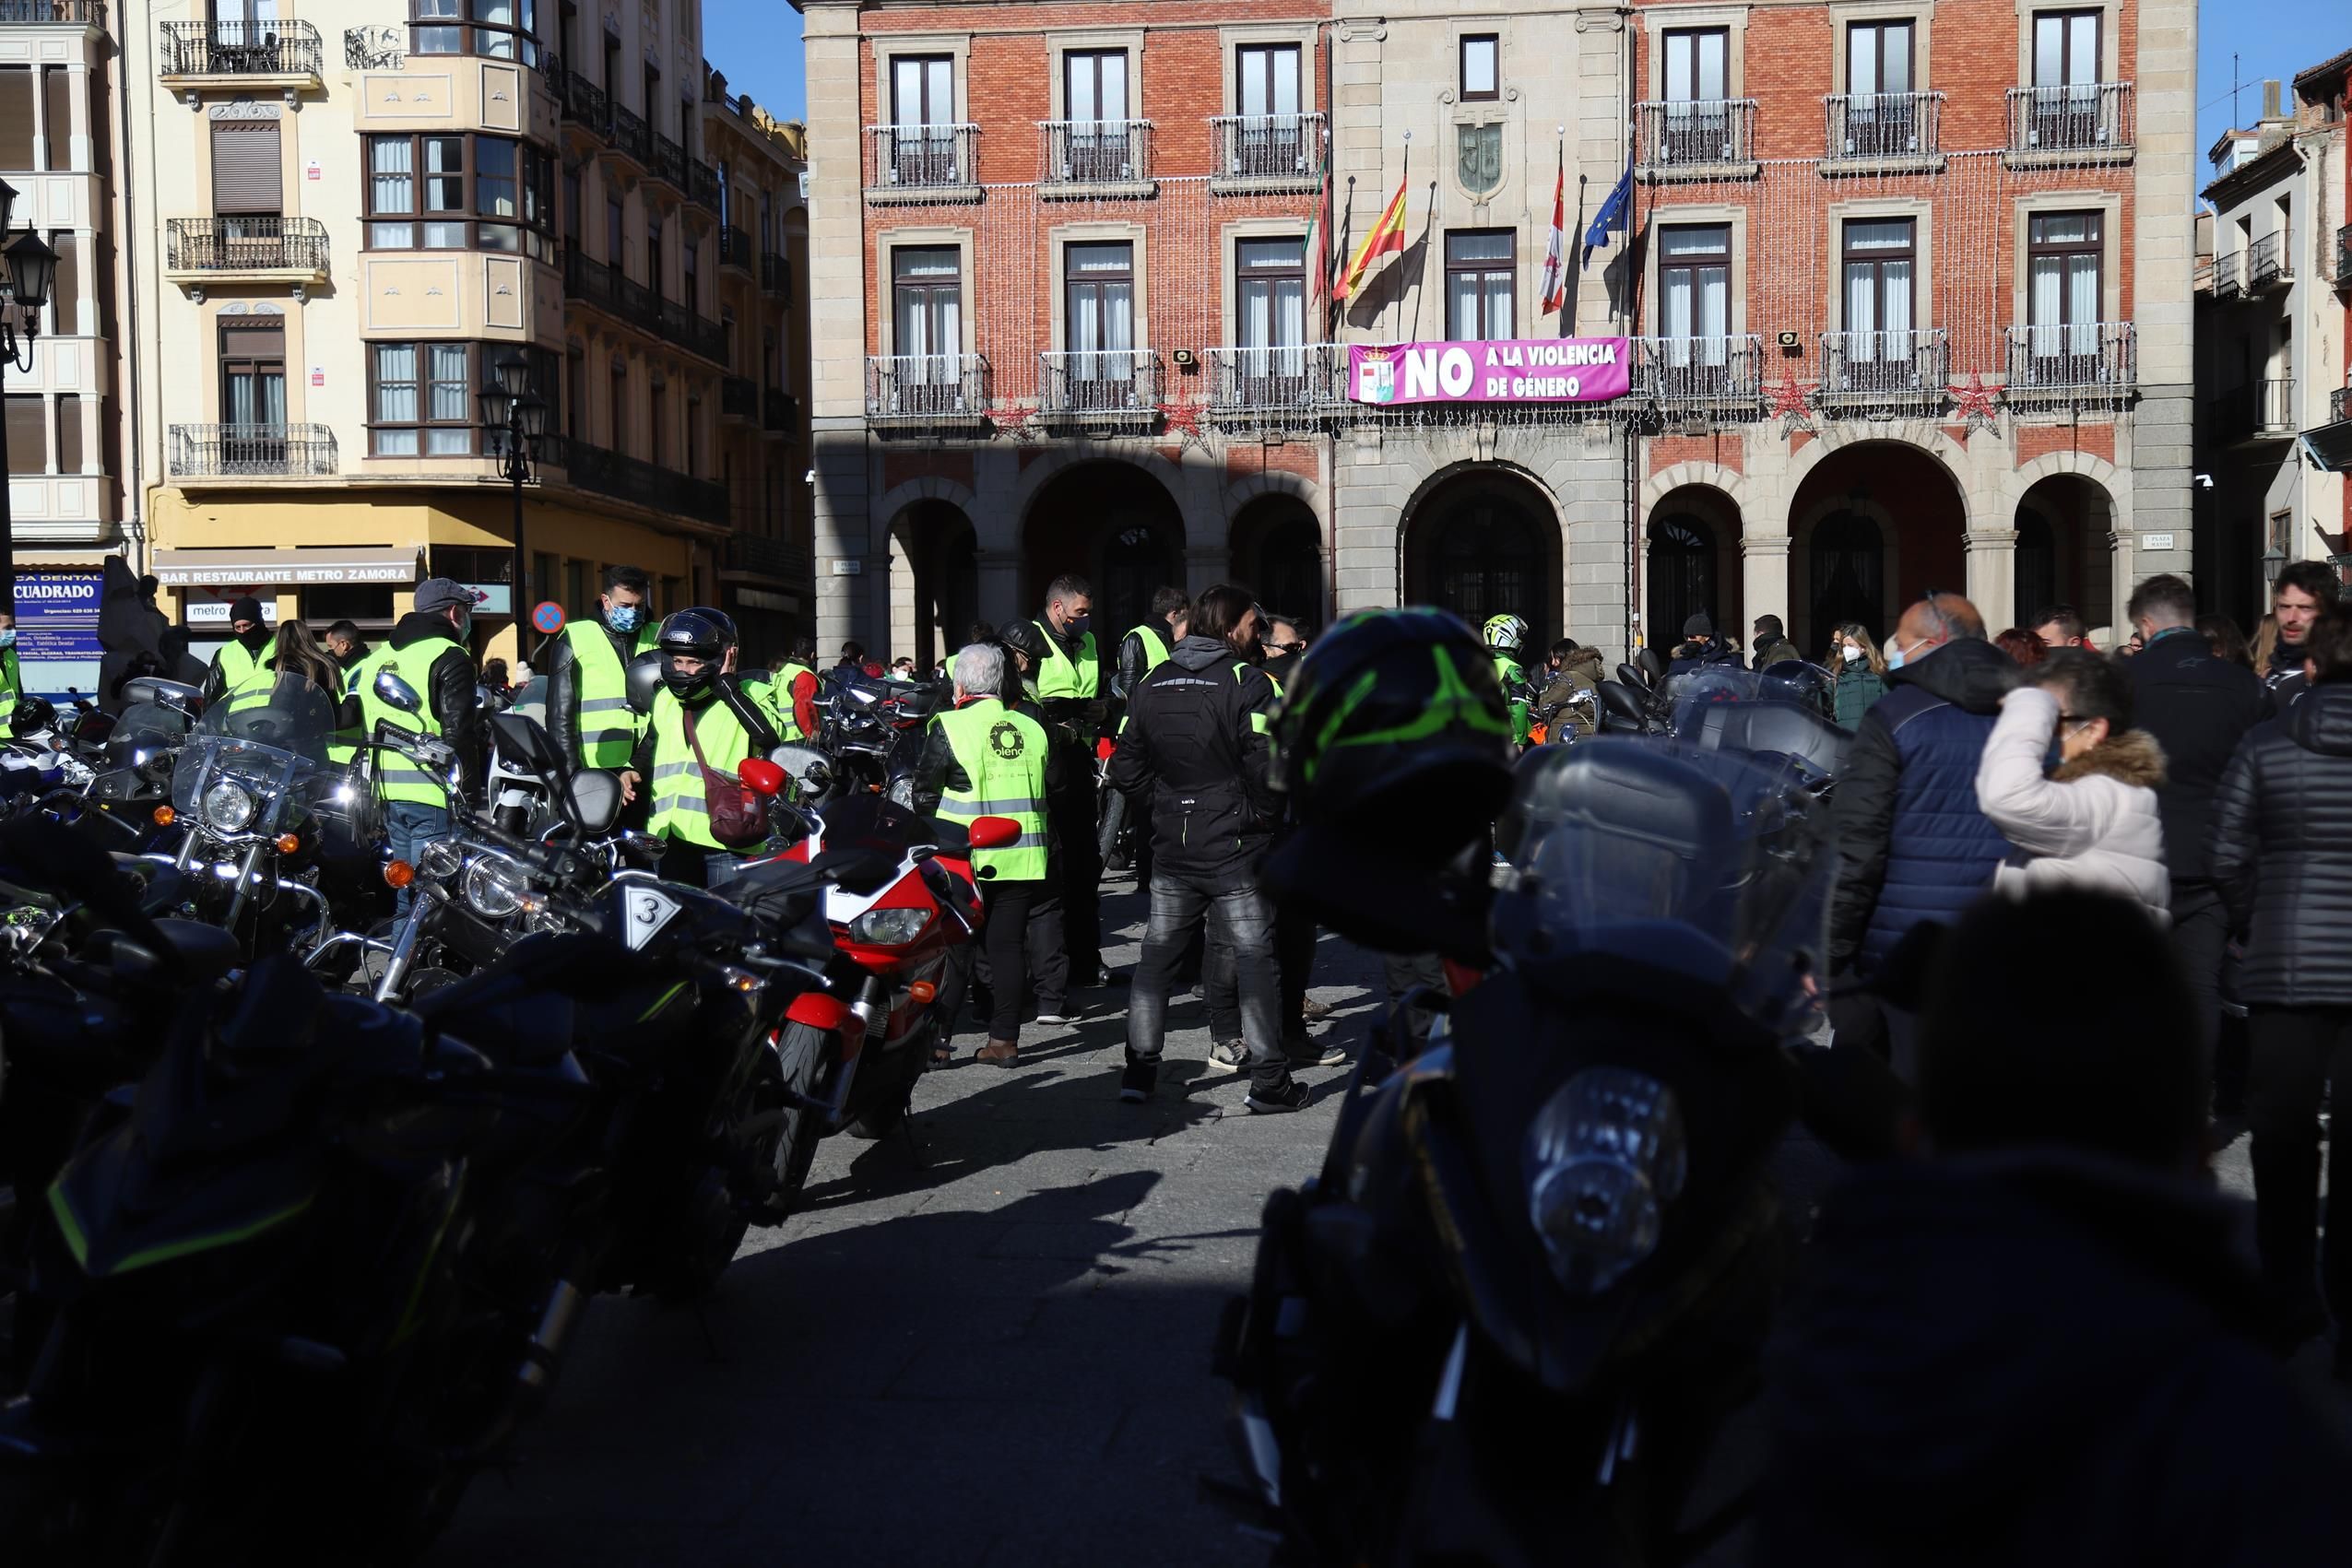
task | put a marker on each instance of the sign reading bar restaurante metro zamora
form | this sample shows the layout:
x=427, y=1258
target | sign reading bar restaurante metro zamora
x=1519, y=370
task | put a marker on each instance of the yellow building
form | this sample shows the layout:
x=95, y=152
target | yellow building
x=357, y=223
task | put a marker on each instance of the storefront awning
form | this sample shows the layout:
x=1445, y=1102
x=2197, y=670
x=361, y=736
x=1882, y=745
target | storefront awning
x=283, y=568
x=2330, y=446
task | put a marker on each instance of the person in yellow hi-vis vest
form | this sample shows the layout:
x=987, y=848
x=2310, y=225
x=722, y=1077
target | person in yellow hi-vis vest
x=587, y=674
x=703, y=724
x=12, y=680
x=985, y=757
x=1070, y=690
x=242, y=663
x=429, y=650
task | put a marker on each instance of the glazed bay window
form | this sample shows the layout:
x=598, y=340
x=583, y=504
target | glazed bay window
x=1481, y=274
x=2064, y=298
x=1270, y=290
x=495, y=29
x=1695, y=305
x=460, y=193
x=421, y=399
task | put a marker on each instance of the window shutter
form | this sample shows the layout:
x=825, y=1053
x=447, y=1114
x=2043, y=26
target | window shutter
x=245, y=167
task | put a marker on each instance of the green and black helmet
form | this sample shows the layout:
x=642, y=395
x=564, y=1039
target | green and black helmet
x=1393, y=715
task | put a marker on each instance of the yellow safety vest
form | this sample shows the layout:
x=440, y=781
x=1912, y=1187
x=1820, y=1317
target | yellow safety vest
x=241, y=671
x=681, y=810
x=1060, y=676
x=396, y=777
x=1003, y=757
x=12, y=684
x=1155, y=647
x=788, y=724
x=608, y=730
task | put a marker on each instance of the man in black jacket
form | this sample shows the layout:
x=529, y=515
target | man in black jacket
x=2198, y=708
x=1194, y=756
x=2302, y=594
x=624, y=624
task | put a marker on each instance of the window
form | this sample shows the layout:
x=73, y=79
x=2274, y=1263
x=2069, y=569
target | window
x=1881, y=115
x=691, y=452
x=65, y=285
x=57, y=117
x=497, y=30
x=571, y=202
x=1480, y=279
x=1271, y=137
x=927, y=319
x=575, y=396
x=616, y=415
x=922, y=90
x=1879, y=283
x=1694, y=300
x=1480, y=67
x=253, y=386
x=69, y=434
x=460, y=193
x=247, y=172
x=27, y=434
x=1698, y=66
x=658, y=414
x=1099, y=300
x=690, y=292
x=421, y=399
x=654, y=258
x=616, y=249
x=2064, y=298
x=2065, y=48
x=16, y=116
x=1270, y=301
x=1094, y=85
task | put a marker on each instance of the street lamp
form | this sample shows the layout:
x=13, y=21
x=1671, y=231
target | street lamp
x=516, y=417
x=31, y=267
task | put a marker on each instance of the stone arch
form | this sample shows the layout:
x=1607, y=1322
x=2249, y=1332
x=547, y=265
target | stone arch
x=1064, y=455
x=1680, y=476
x=1484, y=538
x=2069, y=512
x=1114, y=521
x=1884, y=556
x=1678, y=581
x=931, y=544
x=885, y=512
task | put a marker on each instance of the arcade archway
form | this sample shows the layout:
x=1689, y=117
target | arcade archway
x=1277, y=548
x=2064, y=556
x=936, y=542
x=1484, y=542
x=1114, y=525
x=1692, y=565
x=1874, y=527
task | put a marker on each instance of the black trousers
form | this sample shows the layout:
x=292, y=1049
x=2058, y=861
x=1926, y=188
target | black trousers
x=2297, y=1053
x=1021, y=942
x=1409, y=1027
x=2200, y=936
x=1079, y=865
x=1294, y=961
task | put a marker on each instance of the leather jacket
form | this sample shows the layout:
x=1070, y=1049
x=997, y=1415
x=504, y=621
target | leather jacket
x=563, y=686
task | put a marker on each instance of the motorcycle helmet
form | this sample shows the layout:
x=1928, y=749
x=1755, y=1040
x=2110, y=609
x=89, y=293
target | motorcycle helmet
x=1024, y=638
x=1504, y=632
x=704, y=635
x=33, y=714
x=1392, y=725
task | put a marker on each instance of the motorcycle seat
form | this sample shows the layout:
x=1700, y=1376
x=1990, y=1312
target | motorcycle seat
x=207, y=953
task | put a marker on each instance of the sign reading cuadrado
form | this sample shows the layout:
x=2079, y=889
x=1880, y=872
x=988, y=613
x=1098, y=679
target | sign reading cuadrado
x=1516, y=370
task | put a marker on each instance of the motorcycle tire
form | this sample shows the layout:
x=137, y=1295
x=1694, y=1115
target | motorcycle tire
x=886, y=1117
x=802, y=1056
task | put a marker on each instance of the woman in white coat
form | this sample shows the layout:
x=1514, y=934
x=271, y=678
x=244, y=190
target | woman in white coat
x=2090, y=821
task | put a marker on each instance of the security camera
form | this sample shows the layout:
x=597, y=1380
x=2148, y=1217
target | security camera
x=811, y=477
x=2204, y=481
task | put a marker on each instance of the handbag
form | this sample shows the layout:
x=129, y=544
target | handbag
x=739, y=814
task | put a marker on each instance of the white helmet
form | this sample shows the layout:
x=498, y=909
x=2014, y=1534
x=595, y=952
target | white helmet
x=1505, y=631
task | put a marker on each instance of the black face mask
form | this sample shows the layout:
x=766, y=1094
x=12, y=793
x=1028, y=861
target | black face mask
x=253, y=641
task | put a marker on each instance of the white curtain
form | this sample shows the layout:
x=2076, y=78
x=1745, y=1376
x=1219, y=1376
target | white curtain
x=1861, y=310
x=395, y=383
x=1257, y=326
x=1897, y=301
x=1461, y=306
x=2048, y=305
x=2082, y=304
x=392, y=167
x=1678, y=313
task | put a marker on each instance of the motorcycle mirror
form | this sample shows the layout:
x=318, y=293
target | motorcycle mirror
x=642, y=681
x=1652, y=665
x=994, y=832
x=1621, y=701
x=806, y=763
x=148, y=689
x=394, y=692
x=1631, y=677
x=593, y=798
x=759, y=773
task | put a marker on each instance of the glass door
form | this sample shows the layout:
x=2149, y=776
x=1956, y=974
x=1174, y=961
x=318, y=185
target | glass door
x=2066, y=95
x=923, y=117
x=2064, y=298
x=1879, y=337
x=252, y=395
x=1271, y=137
x=1095, y=145
x=1881, y=114
x=1271, y=334
x=1697, y=126
x=927, y=317
x=1099, y=322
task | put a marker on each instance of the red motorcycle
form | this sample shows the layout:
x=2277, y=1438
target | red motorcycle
x=852, y=1064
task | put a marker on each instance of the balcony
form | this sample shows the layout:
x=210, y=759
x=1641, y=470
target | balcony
x=1095, y=159
x=738, y=398
x=922, y=163
x=2259, y=411
x=2330, y=444
x=2072, y=362
x=633, y=479
x=927, y=391
x=780, y=412
x=2087, y=123
x=668, y=163
x=630, y=136
x=1100, y=389
x=1287, y=387
x=1883, y=133
x=618, y=296
x=2229, y=275
x=702, y=184
x=1702, y=139
x=2339, y=405
x=778, y=559
x=735, y=249
x=1884, y=374
x=53, y=13
x=2343, y=257
x=775, y=274
x=584, y=103
x=242, y=55
x=1266, y=152
x=201, y=253
x=2270, y=261
x=1689, y=375
x=252, y=451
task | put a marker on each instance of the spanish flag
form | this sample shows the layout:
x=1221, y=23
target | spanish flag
x=1388, y=237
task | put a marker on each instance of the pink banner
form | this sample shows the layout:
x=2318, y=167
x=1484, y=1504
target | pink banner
x=1519, y=370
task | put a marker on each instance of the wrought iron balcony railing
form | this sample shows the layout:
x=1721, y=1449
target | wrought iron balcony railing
x=630, y=136
x=53, y=13
x=2070, y=123
x=2339, y=405
x=1693, y=137
x=702, y=184
x=1104, y=386
x=735, y=248
x=924, y=160
x=2229, y=275
x=779, y=559
x=1878, y=128
x=240, y=244
x=633, y=479
x=775, y=273
x=1693, y=373
x=2271, y=259
x=2260, y=410
x=1903, y=370
x=1267, y=152
x=260, y=452
x=274, y=48
x=2071, y=358
x=668, y=162
x=1094, y=153
x=780, y=411
x=926, y=389
x=611, y=290
x=1289, y=384
x=738, y=398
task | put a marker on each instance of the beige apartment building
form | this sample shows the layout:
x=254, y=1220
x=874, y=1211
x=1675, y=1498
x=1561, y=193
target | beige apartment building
x=353, y=217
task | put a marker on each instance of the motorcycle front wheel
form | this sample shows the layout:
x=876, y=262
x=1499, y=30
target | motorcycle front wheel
x=801, y=1054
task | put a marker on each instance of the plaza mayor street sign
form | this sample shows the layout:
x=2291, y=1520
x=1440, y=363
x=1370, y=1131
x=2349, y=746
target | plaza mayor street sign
x=1519, y=370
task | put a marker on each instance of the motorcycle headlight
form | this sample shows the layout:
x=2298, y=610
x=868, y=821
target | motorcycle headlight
x=888, y=928
x=495, y=886
x=439, y=860
x=228, y=806
x=1604, y=1159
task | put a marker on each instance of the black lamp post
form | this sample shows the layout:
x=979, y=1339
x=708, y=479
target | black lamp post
x=516, y=417
x=32, y=266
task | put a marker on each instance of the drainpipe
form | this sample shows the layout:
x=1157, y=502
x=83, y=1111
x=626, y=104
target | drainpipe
x=134, y=384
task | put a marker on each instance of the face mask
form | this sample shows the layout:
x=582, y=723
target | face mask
x=253, y=641
x=8, y=638
x=1893, y=655
x=1853, y=651
x=1078, y=625
x=624, y=617
x=465, y=627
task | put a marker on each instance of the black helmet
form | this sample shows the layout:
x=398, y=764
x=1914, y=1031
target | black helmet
x=33, y=714
x=1393, y=723
x=704, y=635
x=1024, y=638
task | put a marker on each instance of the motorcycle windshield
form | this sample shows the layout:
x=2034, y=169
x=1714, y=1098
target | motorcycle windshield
x=1785, y=709
x=254, y=758
x=147, y=728
x=1713, y=863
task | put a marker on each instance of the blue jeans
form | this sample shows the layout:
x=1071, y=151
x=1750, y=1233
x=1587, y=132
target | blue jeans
x=1242, y=923
x=409, y=825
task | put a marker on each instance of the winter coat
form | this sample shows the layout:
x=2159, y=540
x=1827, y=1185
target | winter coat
x=1858, y=686
x=2093, y=824
x=2198, y=708
x=1778, y=651
x=2284, y=676
x=2282, y=853
x=1912, y=844
x=2037, y=1358
x=1194, y=753
x=1579, y=672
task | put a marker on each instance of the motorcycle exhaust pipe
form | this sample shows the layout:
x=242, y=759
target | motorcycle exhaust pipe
x=543, y=1354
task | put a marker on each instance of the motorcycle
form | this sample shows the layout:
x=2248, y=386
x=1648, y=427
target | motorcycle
x=871, y=731
x=1556, y=1217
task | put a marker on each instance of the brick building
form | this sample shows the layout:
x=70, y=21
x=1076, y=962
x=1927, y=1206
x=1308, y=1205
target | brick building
x=1908, y=286
x=2323, y=159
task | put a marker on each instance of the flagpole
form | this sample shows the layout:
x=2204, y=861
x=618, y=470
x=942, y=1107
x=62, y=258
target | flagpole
x=1405, y=187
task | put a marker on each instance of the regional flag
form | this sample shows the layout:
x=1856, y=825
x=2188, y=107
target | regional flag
x=1388, y=237
x=1556, y=277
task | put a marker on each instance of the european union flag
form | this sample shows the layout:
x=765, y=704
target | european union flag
x=1613, y=213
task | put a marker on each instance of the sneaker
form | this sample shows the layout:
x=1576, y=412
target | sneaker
x=1136, y=1084
x=1228, y=1057
x=1292, y=1096
x=1306, y=1053
x=1054, y=1017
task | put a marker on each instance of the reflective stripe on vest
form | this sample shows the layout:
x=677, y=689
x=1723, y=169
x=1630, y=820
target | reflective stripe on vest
x=788, y=722
x=241, y=671
x=12, y=683
x=1513, y=680
x=1155, y=647
x=1059, y=676
x=679, y=808
x=1260, y=720
x=600, y=674
x=1003, y=757
x=396, y=777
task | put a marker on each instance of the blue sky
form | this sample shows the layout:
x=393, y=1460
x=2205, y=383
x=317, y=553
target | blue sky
x=756, y=45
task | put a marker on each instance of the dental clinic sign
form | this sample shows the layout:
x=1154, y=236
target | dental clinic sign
x=1535, y=370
